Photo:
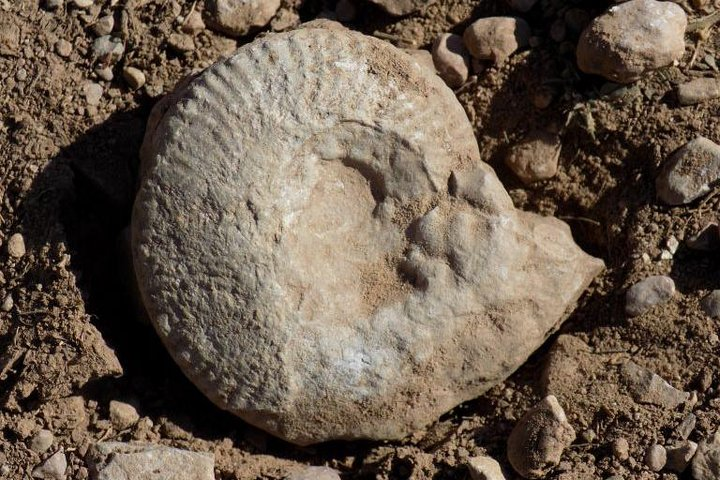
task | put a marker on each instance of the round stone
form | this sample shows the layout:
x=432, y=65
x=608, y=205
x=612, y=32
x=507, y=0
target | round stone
x=323, y=252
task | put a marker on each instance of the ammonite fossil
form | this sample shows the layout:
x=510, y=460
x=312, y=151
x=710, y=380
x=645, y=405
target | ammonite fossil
x=323, y=252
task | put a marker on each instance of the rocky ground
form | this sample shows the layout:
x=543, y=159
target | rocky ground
x=78, y=365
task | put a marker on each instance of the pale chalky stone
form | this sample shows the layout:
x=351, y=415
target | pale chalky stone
x=631, y=39
x=496, y=38
x=323, y=252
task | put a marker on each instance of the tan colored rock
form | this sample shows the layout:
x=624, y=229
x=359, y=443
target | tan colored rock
x=16, y=245
x=123, y=415
x=539, y=439
x=536, y=157
x=631, y=39
x=239, y=17
x=496, y=38
x=137, y=461
x=698, y=91
x=451, y=59
x=304, y=255
x=402, y=7
x=655, y=457
x=648, y=387
x=484, y=468
x=690, y=172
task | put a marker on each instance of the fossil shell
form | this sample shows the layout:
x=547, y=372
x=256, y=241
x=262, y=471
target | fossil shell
x=323, y=252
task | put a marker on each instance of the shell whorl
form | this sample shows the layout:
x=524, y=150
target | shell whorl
x=288, y=239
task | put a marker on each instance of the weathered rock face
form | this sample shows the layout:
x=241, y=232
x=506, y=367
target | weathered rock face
x=323, y=252
x=631, y=39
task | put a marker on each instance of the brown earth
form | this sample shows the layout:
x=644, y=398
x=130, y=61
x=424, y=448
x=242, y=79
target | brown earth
x=71, y=340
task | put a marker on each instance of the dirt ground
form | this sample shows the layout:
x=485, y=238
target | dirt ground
x=71, y=339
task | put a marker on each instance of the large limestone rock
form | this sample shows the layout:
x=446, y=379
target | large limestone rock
x=323, y=252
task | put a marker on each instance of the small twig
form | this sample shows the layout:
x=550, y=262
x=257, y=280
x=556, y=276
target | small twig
x=703, y=23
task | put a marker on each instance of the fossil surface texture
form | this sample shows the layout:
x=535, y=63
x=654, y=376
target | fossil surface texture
x=322, y=250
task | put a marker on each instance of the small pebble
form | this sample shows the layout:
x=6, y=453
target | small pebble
x=42, y=441
x=680, y=455
x=647, y=293
x=104, y=25
x=648, y=387
x=107, y=50
x=536, y=157
x=21, y=75
x=123, y=415
x=621, y=449
x=8, y=303
x=83, y=3
x=538, y=440
x=672, y=244
x=16, y=245
x=496, y=38
x=63, y=48
x=314, y=473
x=93, y=93
x=687, y=425
x=711, y=304
x=451, y=59
x=698, y=91
x=51, y=469
x=484, y=468
x=193, y=23
x=134, y=77
x=656, y=457
x=181, y=43
x=104, y=73
x=631, y=39
x=690, y=172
